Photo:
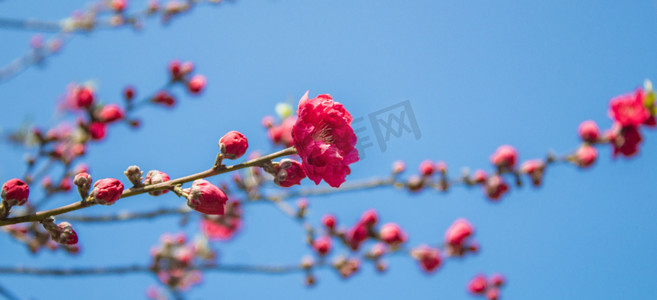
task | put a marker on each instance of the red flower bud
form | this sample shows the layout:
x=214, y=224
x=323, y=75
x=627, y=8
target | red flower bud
x=535, y=169
x=428, y=258
x=322, y=245
x=206, y=198
x=479, y=176
x=493, y=294
x=196, y=84
x=329, y=221
x=497, y=280
x=111, y=113
x=97, y=130
x=290, y=172
x=460, y=230
x=15, y=192
x=65, y=184
x=391, y=234
x=129, y=92
x=66, y=234
x=369, y=217
x=118, y=5
x=505, y=156
x=233, y=145
x=164, y=98
x=83, y=97
x=477, y=285
x=589, y=131
x=356, y=235
x=107, y=191
x=174, y=69
x=427, y=168
x=586, y=156
x=495, y=187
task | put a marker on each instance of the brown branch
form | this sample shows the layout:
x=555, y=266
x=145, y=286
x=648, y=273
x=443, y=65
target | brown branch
x=150, y=188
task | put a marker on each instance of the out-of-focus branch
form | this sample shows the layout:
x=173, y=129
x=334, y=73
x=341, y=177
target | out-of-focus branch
x=232, y=268
x=88, y=21
x=31, y=25
x=7, y=294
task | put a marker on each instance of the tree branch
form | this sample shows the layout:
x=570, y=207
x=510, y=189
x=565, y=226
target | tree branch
x=150, y=188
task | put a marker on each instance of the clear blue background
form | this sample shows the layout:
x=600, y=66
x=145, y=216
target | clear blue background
x=478, y=74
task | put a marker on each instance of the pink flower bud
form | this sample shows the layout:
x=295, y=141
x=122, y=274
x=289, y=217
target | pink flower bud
x=206, y=198
x=357, y=235
x=83, y=181
x=174, y=69
x=111, y=113
x=81, y=168
x=479, y=176
x=322, y=245
x=15, y=192
x=67, y=235
x=97, y=130
x=290, y=173
x=493, y=294
x=164, y=98
x=129, y=93
x=535, y=169
x=505, y=156
x=83, y=97
x=196, y=84
x=497, y=280
x=428, y=258
x=398, y=167
x=267, y=121
x=378, y=249
x=233, y=145
x=495, y=187
x=65, y=184
x=369, y=217
x=78, y=150
x=46, y=182
x=427, y=168
x=477, y=285
x=36, y=41
x=329, y=221
x=586, y=156
x=391, y=234
x=589, y=131
x=302, y=203
x=118, y=5
x=107, y=191
x=441, y=167
x=187, y=67
x=155, y=177
x=460, y=230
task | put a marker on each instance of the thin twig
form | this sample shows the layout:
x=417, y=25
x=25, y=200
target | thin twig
x=134, y=269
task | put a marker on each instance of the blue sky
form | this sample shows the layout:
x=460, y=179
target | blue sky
x=478, y=74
